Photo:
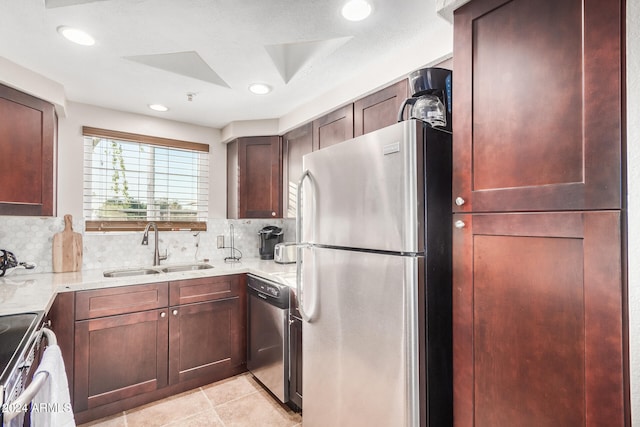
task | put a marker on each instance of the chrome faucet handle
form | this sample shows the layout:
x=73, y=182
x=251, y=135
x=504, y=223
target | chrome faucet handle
x=165, y=256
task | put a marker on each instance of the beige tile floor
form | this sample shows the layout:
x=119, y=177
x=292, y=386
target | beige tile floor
x=235, y=402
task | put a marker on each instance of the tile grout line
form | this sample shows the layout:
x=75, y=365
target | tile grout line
x=213, y=408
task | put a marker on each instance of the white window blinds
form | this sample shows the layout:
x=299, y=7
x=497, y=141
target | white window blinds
x=132, y=179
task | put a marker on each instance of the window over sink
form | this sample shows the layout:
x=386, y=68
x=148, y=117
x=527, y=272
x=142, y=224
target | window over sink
x=132, y=179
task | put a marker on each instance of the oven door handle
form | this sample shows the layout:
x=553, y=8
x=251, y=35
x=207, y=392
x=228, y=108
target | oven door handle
x=34, y=387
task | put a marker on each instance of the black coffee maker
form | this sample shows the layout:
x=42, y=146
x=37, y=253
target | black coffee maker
x=431, y=100
x=269, y=236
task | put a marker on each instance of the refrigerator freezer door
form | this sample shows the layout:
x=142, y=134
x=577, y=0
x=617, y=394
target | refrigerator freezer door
x=367, y=192
x=360, y=348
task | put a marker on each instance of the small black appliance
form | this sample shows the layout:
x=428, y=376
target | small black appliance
x=269, y=237
x=431, y=99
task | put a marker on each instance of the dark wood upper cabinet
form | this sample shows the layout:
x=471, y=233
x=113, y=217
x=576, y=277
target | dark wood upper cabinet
x=538, y=105
x=295, y=144
x=254, y=177
x=333, y=128
x=28, y=127
x=380, y=109
x=538, y=325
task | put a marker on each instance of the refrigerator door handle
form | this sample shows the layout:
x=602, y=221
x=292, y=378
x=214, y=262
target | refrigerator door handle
x=300, y=246
x=304, y=176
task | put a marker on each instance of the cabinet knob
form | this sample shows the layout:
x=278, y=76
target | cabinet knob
x=163, y=314
x=460, y=201
x=273, y=214
x=459, y=224
x=175, y=312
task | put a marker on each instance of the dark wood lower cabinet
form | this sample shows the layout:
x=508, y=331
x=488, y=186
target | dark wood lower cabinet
x=128, y=359
x=538, y=320
x=119, y=357
x=61, y=318
x=295, y=361
x=205, y=340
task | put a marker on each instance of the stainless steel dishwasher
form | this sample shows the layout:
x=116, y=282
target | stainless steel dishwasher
x=268, y=335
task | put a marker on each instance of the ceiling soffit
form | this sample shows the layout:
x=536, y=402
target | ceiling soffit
x=50, y=4
x=291, y=58
x=188, y=64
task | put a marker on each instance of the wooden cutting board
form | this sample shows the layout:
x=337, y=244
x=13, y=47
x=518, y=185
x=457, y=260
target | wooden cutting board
x=67, y=248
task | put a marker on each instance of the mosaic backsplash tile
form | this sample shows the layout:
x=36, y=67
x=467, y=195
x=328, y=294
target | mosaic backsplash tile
x=30, y=239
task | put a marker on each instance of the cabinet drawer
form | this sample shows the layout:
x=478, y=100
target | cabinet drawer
x=204, y=289
x=120, y=300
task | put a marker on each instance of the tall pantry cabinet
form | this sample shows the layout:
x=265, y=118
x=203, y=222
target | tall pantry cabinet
x=539, y=287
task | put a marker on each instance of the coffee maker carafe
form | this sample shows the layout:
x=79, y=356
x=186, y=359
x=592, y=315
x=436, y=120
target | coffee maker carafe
x=269, y=237
x=431, y=100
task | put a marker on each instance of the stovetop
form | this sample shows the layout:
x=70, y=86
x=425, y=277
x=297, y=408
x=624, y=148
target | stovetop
x=15, y=331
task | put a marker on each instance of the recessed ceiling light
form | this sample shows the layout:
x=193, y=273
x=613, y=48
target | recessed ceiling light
x=158, y=107
x=259, y=88
x=356, y=10
x=77, y=36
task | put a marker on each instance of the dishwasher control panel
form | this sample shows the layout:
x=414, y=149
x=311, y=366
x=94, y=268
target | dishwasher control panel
x=275, y=293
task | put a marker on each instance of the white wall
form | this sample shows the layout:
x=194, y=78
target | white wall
x=25, y=80
x=70, y=151
x=633, y=182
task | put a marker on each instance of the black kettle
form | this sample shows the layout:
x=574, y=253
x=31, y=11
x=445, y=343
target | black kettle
x=8, y=263
x=269, y=237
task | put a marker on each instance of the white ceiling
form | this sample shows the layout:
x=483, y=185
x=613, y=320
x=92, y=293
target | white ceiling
x=158, y=51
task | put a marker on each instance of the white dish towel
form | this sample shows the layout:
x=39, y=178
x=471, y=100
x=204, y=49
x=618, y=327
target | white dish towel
x=51, y=406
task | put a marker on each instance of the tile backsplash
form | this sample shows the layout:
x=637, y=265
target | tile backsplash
x=30, y=239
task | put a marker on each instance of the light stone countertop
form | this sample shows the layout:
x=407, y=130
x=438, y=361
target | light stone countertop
x=25, y=292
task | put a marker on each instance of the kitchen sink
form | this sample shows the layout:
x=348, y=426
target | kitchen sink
x=127, y=272
x=186, y=267
x=130, y=272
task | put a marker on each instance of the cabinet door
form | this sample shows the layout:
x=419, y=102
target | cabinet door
x=295, y=144
x=27, y=143
x=207, y=340
x=538, y=105
x=295, y=360
x=61, y=319
x=379, y=109
x=260, y=182
x=118, y=357
x=538, y=320
x=333, y=128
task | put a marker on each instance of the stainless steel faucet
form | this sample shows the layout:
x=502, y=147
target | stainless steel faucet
x=145, y=241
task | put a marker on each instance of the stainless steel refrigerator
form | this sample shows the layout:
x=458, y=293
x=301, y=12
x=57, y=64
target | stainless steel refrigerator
x=374, y=280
